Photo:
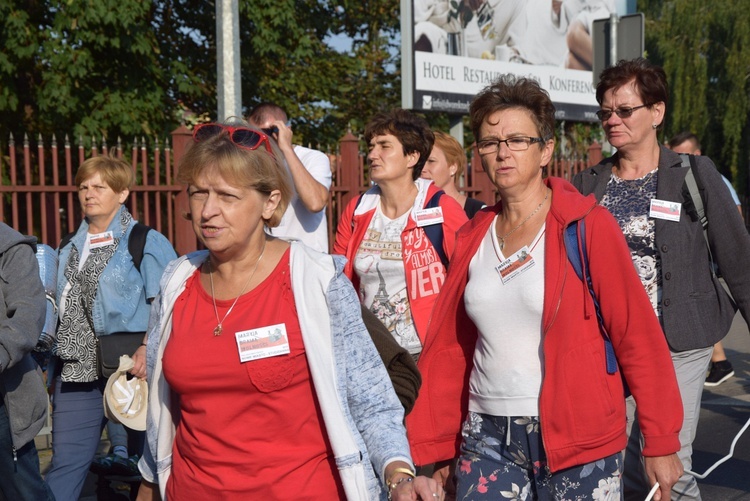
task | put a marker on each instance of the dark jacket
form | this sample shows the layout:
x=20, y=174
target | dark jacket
x=402, y=370
x=22, y=310
x=696, y=311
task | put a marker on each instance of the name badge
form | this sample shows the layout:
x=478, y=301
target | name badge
x=664, y=209
x=515, y=265
x=101, y=240
x=426, y=217
x=263, y=342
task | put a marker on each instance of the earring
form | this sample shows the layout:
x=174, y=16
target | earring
x=654, y=126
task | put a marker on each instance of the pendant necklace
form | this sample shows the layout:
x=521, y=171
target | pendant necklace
x=501, y=239
x=219, y=328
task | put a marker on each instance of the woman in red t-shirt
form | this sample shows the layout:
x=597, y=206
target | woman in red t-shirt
x=264, y=383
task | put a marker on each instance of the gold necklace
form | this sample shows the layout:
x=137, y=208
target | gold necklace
x=501, y=239
x=219, y=328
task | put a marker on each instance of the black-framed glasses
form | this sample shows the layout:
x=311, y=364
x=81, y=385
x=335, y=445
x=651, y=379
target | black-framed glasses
x=270, y=131
x=516, y=143
x=623, y=112
x=242, y=137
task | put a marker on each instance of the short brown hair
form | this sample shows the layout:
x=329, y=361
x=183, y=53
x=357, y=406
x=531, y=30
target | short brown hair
x=266, y=111
x=682, y=137
x=117, y=173
x=256, y=169
x=650, y=80
x=509, y=91
x=411, y=130
x=454, y=152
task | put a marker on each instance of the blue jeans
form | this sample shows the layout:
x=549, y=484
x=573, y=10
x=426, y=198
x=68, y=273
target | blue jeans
x=77, y=423
x=503, y=458
x=21, y=479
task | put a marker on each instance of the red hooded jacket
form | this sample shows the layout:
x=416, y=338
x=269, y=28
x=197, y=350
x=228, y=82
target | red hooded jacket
x=581, y=407
x=425, y=273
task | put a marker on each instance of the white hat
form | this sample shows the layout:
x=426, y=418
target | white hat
x=126, y=400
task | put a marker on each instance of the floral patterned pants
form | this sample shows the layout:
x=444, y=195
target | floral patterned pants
x=503, y=458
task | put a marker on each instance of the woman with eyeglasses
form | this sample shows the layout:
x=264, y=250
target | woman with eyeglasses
x=647, y=188
x=514, y=349
x=264, y=383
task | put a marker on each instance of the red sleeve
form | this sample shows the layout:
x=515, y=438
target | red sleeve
x=453, y=218
x=639, y=342
x=344, y=229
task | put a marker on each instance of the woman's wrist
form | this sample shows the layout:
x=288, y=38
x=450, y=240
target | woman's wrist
x=398, y=473
x=393, y=486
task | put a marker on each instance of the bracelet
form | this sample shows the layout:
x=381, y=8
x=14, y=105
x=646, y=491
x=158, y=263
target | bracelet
x=144, y=344
x=405, y=471
x=398, y=482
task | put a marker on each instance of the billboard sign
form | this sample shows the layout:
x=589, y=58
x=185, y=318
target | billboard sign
x=452, y=49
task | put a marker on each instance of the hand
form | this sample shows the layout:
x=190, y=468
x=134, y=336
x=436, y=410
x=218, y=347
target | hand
x=424, y=488
x=284, y=136
x=666, y=470
x=444, y=474
x=139, y=359
x=148, y=492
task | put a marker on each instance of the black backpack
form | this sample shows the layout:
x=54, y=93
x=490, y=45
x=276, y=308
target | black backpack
x=136, y=243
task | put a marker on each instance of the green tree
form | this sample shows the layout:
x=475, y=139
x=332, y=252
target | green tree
x=90, y=68
x=132, y=68
x=705, y=51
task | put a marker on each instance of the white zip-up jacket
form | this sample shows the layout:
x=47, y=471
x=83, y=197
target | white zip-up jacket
x=362, y=415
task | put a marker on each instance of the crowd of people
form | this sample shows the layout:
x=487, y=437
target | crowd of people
x=528, y=336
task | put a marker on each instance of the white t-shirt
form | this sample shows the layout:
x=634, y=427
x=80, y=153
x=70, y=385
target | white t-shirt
x=298, y=222
x=382, y=279
x=507, y=374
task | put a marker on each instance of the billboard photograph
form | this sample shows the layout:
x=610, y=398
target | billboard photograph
x=457, y=47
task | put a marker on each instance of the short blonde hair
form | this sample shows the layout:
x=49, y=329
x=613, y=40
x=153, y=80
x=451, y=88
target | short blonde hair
x=117, y=173
x=256, y=169
x=454, y=152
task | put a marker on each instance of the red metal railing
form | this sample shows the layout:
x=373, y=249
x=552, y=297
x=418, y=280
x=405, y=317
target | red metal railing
x=39, y=196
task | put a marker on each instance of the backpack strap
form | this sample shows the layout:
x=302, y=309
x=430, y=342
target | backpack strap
x=693, y=185
x=434, y=232
x=136, y=243
x=575, y=247
x=66, y=240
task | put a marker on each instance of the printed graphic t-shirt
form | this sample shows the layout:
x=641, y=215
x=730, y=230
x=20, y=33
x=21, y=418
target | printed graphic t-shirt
x=380, y=267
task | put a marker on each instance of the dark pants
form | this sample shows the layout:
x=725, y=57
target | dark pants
x=21, y=479
x=504, y=458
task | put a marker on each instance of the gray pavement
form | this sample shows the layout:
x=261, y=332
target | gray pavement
x=724, y=411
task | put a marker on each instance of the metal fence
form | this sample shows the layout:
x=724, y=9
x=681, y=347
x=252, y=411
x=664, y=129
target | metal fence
x=38, y=195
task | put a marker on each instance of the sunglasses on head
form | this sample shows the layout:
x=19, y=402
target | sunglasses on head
x=242, y=137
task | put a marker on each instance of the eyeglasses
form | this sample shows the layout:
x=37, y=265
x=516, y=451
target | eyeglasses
x=623, y=112
x=242, y=137
x=517, y=143
x=270, y=131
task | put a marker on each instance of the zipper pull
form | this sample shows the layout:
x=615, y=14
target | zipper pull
x=15, y=460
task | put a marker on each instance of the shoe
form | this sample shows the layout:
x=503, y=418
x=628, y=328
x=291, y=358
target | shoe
x=126, y=467
x=103, y=465
x=720, y=372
